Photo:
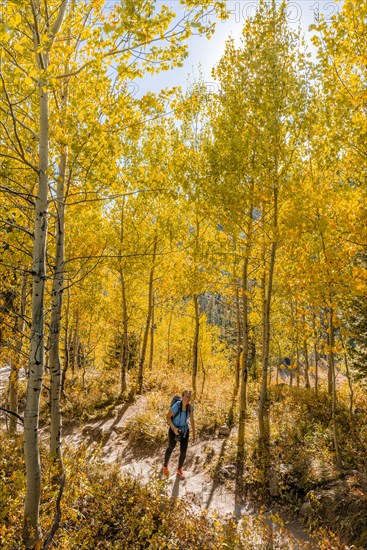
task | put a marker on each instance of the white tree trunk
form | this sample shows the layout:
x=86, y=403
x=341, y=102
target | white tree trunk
x=31, y=529
x=36, y=362
x=152, y=323
x=147, y=324
x=338, y=457
x=125, y=349
x=307, y=366
x=244, y=368
x=195, y=346
x=56, y=309
x=238, y=342
x=263, y=420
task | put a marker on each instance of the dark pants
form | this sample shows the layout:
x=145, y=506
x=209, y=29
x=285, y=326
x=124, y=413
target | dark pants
x=172, y=444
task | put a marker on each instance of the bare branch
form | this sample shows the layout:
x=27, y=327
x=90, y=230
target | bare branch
x=6, y=411
x=57, y=25
x=15, y=226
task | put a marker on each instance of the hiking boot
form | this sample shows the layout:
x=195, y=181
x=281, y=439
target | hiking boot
x=165, y=471
x=180, y=473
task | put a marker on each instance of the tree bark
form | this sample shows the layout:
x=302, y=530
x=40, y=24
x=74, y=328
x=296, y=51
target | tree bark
x=31, y=531
x=307, y=366
x=238, y=344
x=31, y=528
x=195, y=347
x=291, y=370
x=125, y=338
x=244, y=367
x=333, y=396
x=245, y=343
x=330, y=365
x=298, y=364
x=263, y=405
x=169, y=337
x=147, y=324
x=125, y=350
x=151, y=353
x=347, y=372
x=56, y=307
x=66, y=344
x=330, y=368
x=316, y=369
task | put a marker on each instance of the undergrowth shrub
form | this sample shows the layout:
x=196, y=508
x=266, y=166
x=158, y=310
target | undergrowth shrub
x=149, y=425
x=99, y=396
x=101, y=509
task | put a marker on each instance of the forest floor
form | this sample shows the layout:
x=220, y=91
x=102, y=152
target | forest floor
x=201, y=487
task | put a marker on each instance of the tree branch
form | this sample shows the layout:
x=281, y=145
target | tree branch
x=12, y=413
x=57, y=519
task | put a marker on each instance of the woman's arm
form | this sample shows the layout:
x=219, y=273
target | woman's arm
x=192, y=422
x=171, y=424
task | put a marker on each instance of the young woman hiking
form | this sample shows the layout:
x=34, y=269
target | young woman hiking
x=178, y=417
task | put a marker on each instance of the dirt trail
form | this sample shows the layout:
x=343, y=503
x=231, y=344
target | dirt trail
x=198, y=487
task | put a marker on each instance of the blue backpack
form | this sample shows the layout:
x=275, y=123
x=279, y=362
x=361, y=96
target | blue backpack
x=176, y=399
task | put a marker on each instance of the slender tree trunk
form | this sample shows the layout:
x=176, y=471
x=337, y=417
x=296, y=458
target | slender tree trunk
x=195, y=347
x=316, y=369
x=330, y=366
x=263, y=302
x=298, y=364
x=253, y=360
x=66, y=344
x=147, y=324
x=56, y=309
x=238, y=345
x=279, y=364
x=244, y=367
x=347, y=372
x=125, y=338
x=125, y=351
x=31, y=532
x=245, y=346
x=151, y=354
x=74, y=364
x=204, y=378
x=351, y=392
x=263, y=405
x=169, y=338
x=333, y=397
x=291, y=370
x=315, y=342
x=14, y=373
x=307, y=366
x=31, y=528
x=82, y=363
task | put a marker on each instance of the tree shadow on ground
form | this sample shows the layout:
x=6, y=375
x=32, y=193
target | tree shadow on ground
x=96, y=431
x=175, y=488
x=140, y=450
x=219, y=463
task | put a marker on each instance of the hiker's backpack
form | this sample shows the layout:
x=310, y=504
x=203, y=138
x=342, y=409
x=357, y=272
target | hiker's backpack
x=175, y=399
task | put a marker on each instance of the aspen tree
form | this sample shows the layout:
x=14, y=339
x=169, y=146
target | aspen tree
x=262, y=91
